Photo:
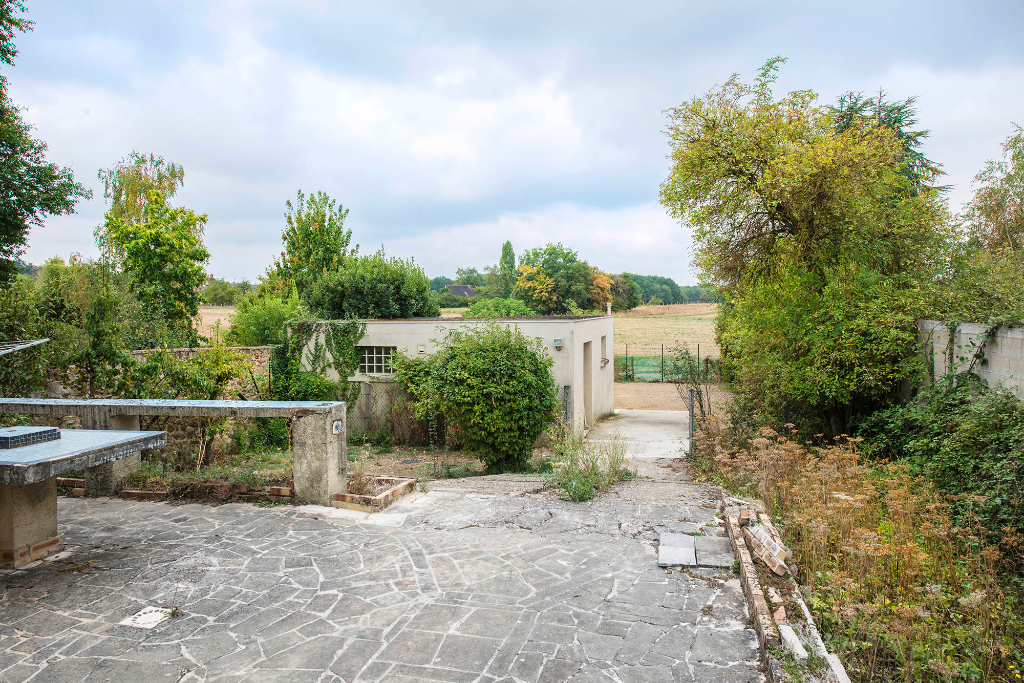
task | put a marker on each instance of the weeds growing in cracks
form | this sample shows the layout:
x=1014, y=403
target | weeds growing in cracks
x=582, y=467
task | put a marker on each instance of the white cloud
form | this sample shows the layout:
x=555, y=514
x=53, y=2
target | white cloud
x=636, y=239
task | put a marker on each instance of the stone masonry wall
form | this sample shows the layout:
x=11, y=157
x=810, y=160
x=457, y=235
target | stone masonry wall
x=182, y=433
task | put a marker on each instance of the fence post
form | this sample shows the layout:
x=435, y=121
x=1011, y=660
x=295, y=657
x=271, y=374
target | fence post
x=662, y=362
x=690, y=392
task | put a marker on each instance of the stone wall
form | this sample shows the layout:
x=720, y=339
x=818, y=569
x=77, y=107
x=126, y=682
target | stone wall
x=1000, y=363
x=182, y=433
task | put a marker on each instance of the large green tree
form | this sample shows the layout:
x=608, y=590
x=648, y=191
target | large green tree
x=822, y=235
x=163, y=259
x=315, y=239
x=31, y=188
x=551, y=276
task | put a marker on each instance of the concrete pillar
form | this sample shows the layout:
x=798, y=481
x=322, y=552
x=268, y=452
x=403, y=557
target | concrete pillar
x=106, y=478
x=28, y=522
x=319, y=456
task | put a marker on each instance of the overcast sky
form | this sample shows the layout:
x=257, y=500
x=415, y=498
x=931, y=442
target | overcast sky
x=449, y=127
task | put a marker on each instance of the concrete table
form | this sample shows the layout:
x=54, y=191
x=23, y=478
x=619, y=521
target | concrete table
x=28, y=485
x=318, y=433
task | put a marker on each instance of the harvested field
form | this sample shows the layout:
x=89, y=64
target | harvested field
x=209, y=315
x=646, y=328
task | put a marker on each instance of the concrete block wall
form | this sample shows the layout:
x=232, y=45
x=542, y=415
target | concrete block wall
x=1001, y=365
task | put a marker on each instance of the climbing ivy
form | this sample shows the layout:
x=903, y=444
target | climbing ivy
x=299, y=366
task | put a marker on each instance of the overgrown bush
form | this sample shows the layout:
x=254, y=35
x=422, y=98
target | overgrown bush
x=899, y=589
x=968, y=440
x=445, y=299
x=499, y=308
x=373, y=287
x=492, y=384
x=582, y=467
x=261, y=318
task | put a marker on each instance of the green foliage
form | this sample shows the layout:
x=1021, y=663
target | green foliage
x=316, y=242
x=299, y=367
x=995, y=215
x=265, y=433
x=499, y=308
x=625, y=292
x=969, y=440
x=163, y=257
x=224, y=293
x=821, y=238
x=31, y=187
x=468, y=276
x=492, y=384
x=129, y=185
x=23, y=371
x=437, y=284
x=506, y=273
x=664, y=289
x=261, y=318
x=551, y=276
x=374, y=287
x=582, y=468
x=445, y=299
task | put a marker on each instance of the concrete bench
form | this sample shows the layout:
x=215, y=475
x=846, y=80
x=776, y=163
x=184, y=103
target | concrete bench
x=318, y=434
x=28, y=483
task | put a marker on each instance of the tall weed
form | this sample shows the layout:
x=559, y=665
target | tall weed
x=899, y=589
x=582, y=467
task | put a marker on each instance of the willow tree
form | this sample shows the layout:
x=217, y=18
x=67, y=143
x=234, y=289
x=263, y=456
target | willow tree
x=819, y=238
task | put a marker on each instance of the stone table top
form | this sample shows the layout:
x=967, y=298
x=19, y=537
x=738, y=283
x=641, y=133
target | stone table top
x=176, y=407
x=77, y=449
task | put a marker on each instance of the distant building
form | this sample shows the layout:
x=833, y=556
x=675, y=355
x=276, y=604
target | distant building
x=461, y=290
x=582, y=349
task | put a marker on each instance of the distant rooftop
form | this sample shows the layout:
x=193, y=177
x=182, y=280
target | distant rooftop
x=461, y=290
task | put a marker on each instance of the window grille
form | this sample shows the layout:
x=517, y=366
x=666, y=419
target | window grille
x=376, y=360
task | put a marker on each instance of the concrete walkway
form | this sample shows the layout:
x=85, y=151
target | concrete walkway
x=649, y=433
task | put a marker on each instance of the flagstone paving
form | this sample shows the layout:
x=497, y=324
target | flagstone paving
x=467, y=588
x=448, y=586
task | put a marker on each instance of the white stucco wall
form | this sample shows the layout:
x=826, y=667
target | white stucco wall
x=422, y=338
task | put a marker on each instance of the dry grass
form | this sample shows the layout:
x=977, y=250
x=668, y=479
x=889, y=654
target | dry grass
x=646, y=328
x=900, y=591
x=209, y=315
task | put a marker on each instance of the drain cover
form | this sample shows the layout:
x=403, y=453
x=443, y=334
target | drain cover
x=147, y=617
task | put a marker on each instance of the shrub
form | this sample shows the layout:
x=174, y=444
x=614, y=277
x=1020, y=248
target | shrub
x=374, y=287
x=968, y=440
x=499, y=308
x=261, y=319
x=445, y=299
x=493, y=385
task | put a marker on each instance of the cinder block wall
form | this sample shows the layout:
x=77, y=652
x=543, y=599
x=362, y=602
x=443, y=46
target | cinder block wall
x=1002, y=363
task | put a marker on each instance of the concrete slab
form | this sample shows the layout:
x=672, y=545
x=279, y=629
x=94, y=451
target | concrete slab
x=675, y=556
x=676, y=550
x=648, y=433
x=713, y=551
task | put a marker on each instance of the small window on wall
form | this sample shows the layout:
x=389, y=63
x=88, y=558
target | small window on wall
x=376, y=360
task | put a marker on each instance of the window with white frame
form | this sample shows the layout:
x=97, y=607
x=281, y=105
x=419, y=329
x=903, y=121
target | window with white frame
x=376, y=360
